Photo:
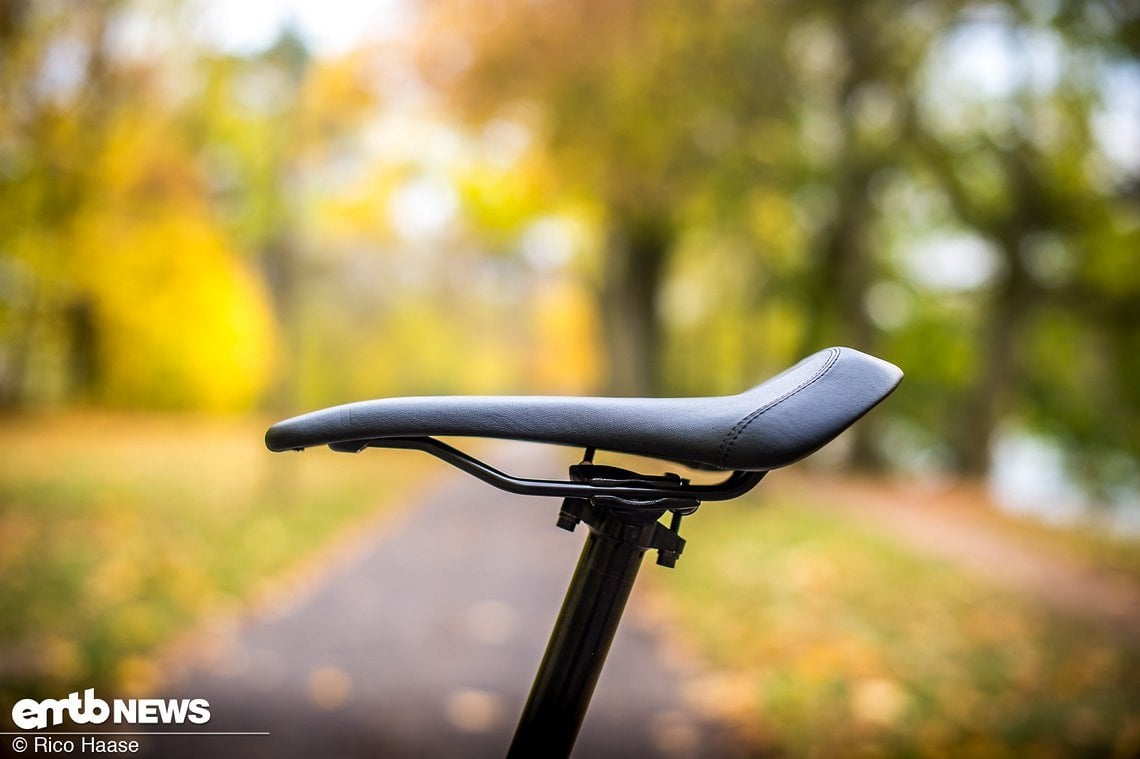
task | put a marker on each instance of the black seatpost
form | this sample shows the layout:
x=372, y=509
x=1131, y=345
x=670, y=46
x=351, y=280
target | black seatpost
x=620, y=534
x=577, y=650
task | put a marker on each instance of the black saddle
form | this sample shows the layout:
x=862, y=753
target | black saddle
x=769, y=426
x=772, y=425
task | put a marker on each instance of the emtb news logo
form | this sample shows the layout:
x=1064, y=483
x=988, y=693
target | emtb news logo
x=29, y=714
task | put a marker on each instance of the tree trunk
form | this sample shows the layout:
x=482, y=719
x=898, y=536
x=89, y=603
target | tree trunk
x=17, y=354
x=281, y=268
x=989, y=398
x=634, y=271
x=845, y=267
x=838, y=285
x=83, y=348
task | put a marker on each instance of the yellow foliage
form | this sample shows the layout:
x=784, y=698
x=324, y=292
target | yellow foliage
x=335, y=94
x=177, y=318
x=143, y=161
x=356, y=213
x=501, y=199
x=773, y=222
x=182, y=323
x=565, y=358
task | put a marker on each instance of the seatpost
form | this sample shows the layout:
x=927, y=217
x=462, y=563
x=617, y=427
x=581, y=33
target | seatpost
x=620, y=532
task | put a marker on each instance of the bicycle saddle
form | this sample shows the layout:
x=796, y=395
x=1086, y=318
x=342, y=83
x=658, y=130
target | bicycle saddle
x=772, y=425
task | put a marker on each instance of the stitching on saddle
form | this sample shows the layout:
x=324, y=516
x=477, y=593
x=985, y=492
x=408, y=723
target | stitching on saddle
x=738, y=429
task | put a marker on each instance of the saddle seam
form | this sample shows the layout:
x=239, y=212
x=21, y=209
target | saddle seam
x=741, y=426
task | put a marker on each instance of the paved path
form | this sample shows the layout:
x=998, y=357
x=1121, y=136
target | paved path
x=425, y=643
x=961, y=525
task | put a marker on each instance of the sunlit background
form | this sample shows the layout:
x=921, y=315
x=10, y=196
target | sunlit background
x=213, y=213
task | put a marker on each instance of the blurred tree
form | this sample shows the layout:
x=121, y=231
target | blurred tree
x=57, y=88
x=182, y=320
x=857, y=69
x=285, y=137
x=887, y=129
x=245, y=127
x=1021, y=165
x=638, y=105
x=119, y=284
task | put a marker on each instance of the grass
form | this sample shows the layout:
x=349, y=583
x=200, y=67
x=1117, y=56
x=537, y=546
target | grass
x=119, y=533
x=829, y=640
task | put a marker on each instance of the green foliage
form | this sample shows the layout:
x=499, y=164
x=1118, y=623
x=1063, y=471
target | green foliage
x=803, y=166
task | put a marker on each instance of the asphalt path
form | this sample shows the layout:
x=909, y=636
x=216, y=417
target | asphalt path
x=424, y=640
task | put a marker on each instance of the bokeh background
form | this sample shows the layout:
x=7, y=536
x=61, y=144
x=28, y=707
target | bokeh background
x=215, y=213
